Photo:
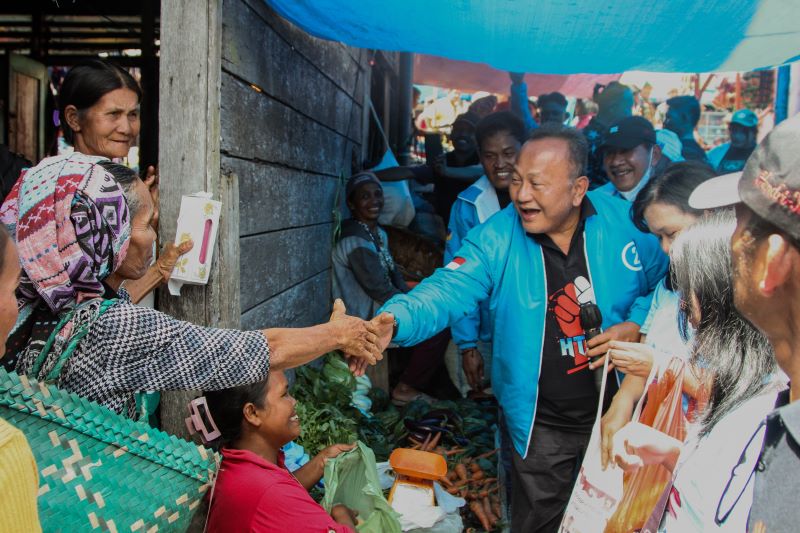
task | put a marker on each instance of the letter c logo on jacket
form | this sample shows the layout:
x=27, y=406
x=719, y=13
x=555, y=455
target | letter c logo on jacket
x=630, y=257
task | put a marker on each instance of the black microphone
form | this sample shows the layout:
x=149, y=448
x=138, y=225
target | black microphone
x=592, y=322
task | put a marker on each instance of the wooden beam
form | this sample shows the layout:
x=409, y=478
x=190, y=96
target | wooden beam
x=189, y=161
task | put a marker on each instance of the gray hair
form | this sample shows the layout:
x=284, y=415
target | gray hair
x=127, y=179
x=733, y=350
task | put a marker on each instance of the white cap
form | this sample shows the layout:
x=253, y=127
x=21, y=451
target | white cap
x=716, y=192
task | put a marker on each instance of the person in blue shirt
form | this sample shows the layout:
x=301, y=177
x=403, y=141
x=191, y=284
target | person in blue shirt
x=500, y=137
x=732, y=156
x=518, y=101
x=536, y=262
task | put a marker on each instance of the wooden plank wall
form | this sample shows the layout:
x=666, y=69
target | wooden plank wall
x=291, y=118
x=189, y=161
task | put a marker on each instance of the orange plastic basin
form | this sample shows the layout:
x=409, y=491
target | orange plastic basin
x=418, y=464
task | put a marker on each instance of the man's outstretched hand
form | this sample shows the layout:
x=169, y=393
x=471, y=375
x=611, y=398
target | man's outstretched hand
x=383, y=325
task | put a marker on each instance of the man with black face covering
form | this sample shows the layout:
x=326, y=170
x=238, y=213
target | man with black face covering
x=731, y=156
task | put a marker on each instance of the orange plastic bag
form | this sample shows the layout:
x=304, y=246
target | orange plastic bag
x=643, y=488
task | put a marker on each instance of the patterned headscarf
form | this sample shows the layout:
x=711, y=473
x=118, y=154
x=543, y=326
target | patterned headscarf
x=72, y=226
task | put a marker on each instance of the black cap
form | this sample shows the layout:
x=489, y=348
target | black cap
x=629, y=132
x=357, y=180
x=769, y=183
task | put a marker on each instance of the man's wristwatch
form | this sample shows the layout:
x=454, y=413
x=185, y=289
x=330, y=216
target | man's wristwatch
x=394, y=329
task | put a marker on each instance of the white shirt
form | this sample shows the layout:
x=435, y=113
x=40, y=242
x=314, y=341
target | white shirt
x=708, y=464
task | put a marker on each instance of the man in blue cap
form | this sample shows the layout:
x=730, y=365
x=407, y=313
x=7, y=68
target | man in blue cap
x=731, y=156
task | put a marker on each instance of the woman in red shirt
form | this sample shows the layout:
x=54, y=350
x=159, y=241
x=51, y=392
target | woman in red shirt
x=254, y=492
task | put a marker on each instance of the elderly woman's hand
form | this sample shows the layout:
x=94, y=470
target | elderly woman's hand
x=356, y=338
x=169, y=256
x=151, y=179
x=631, y=357
x=637, y=445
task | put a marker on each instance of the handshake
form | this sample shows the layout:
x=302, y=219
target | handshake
x=362, y=342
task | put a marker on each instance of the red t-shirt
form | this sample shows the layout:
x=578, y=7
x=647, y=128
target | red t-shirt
x=254, y=495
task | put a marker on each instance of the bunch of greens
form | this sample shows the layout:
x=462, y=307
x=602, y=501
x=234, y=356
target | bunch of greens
x=323, y=404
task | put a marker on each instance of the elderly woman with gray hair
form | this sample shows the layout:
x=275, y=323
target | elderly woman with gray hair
x=81, y=230
x=712, y=472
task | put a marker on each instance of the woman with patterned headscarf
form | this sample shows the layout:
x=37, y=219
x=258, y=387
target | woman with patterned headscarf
x=80, y=233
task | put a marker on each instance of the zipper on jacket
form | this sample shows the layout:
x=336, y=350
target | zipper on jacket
x=541, y=349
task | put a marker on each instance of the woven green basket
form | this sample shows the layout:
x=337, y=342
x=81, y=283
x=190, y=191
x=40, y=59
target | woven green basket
x=99, y=471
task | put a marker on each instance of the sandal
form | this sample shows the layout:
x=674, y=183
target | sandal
x=420, y=396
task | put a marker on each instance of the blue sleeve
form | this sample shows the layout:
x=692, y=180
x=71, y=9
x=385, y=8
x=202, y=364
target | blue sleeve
x=520, y=107
x=444, y=298
x=655, y=304
x=462, y=218
x=654, y=266
x=461, y=221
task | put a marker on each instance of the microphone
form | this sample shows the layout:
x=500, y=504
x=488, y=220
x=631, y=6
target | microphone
x=592, y=322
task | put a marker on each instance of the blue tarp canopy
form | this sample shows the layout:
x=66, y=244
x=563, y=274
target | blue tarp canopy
x=566, y=36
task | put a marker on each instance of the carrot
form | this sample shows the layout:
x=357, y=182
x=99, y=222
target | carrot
x=489, y=514
x=412, y=440
x=461, y=472
x=475, y=467
x=434, y=441
x=478, y=476
x=483, y=494
x=445, y=481
x=486, y=455
x=425, y=444
x=480, y=513
x=454, y=451
x=496, y=506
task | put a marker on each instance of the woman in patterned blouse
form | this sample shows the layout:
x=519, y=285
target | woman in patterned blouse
x=81, y=231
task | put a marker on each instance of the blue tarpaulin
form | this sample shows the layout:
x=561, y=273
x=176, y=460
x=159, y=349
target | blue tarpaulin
x=566, y=36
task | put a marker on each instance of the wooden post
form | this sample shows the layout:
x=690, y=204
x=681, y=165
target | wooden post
x=189, y=161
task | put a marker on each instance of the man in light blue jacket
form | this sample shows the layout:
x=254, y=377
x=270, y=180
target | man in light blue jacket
x=537, y=262
x=500, y=136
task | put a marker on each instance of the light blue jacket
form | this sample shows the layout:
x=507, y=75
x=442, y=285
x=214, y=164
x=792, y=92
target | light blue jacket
x=500, y=261
x=473, y=207
x=717, y=154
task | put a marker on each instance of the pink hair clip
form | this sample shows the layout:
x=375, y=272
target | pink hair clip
x=199, y=420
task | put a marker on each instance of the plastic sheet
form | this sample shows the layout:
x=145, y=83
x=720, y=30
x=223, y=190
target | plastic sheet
x=566, y=36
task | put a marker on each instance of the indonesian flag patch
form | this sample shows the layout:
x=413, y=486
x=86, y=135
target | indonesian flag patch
x=456, y=263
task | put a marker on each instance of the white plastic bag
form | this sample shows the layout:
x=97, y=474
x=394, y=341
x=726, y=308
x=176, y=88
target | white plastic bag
x=398, y=205
x=597, y=492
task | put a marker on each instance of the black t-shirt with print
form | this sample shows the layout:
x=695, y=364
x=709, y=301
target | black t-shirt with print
x=567, y=393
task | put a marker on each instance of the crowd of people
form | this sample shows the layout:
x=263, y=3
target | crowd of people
x=633, y=221
x=567, y=251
